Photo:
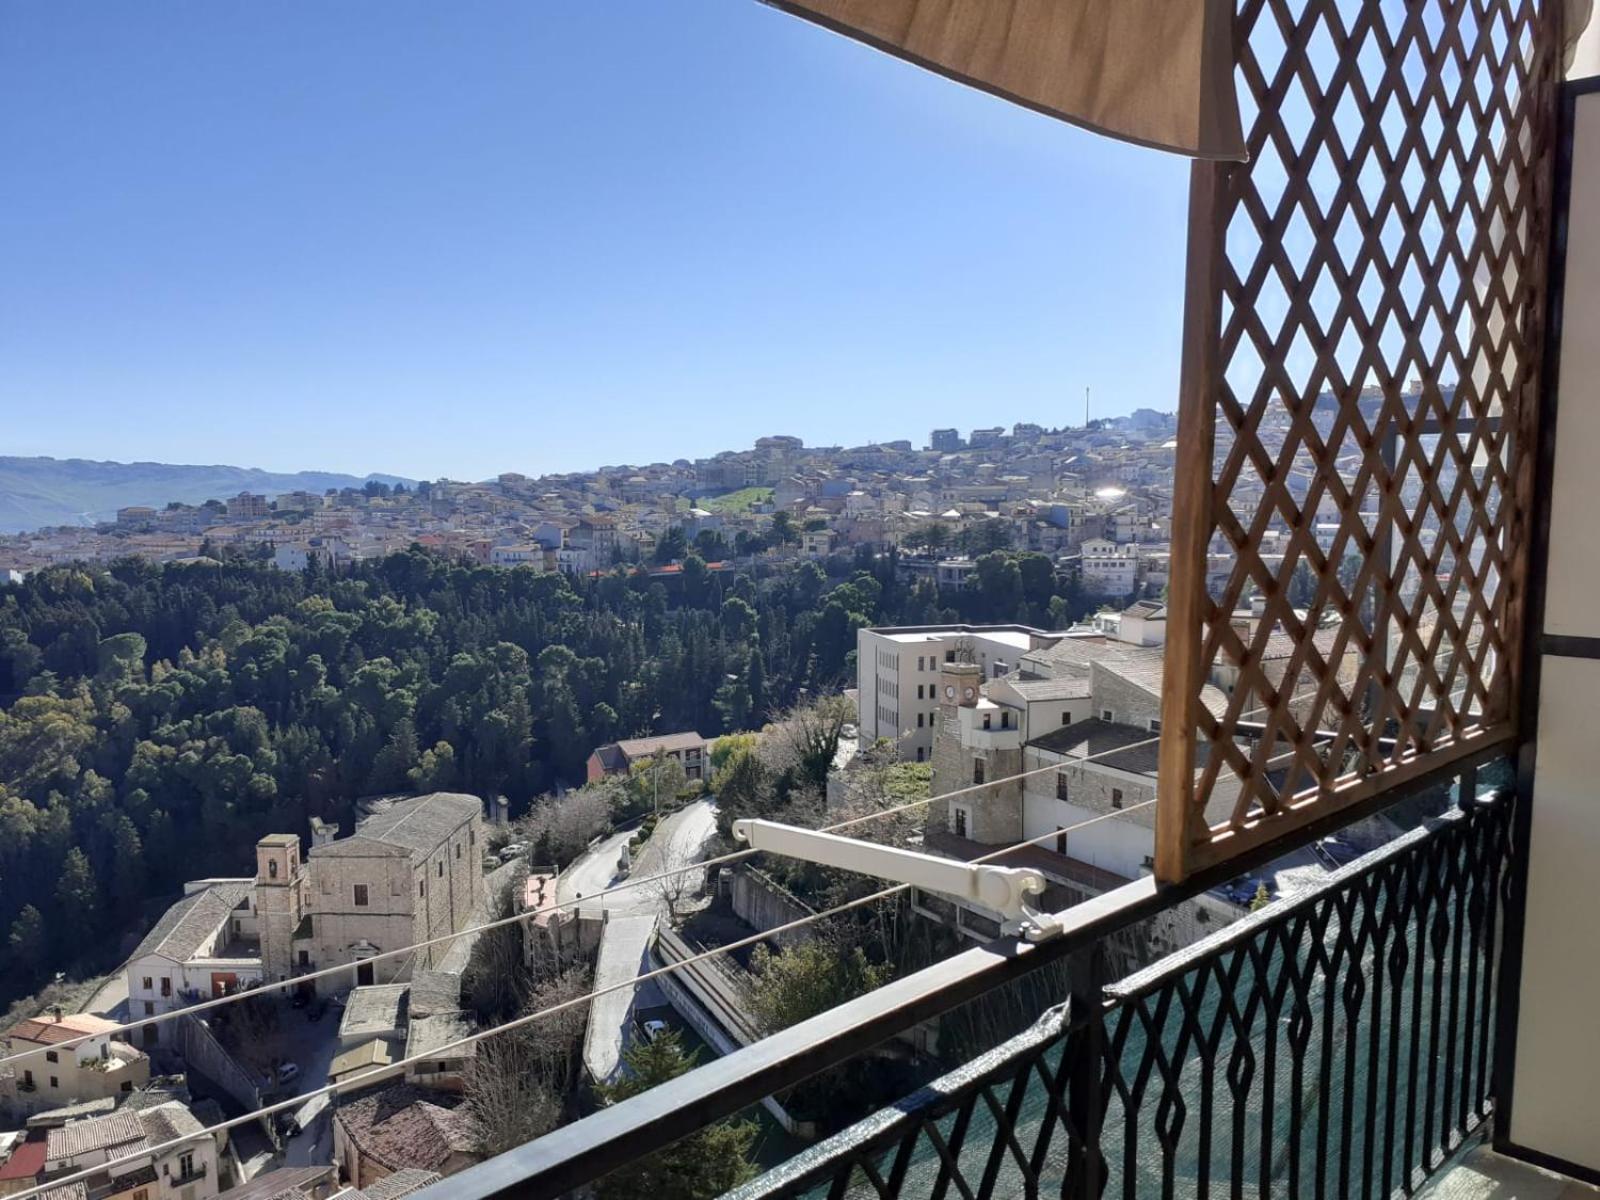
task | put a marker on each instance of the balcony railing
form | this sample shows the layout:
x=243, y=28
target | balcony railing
x=1338, y=1042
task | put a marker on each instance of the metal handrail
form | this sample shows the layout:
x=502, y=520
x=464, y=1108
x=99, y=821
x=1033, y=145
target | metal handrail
x=587, y=1149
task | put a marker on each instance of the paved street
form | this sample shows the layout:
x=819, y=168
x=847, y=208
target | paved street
x=679, y=839
x=595, y=872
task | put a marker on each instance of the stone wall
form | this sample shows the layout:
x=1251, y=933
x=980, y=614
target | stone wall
x=764, y=904
x=202, y=1052
x=1129, y=704
x=994, y=815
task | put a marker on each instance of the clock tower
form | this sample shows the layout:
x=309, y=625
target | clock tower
x=959, y=684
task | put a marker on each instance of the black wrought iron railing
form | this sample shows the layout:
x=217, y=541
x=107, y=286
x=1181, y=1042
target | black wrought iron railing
x=1336, y=1043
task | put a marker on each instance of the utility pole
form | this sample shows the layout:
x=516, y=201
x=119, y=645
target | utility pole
x=1086, y=408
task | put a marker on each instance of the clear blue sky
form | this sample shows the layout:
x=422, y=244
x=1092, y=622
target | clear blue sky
x=456, y=238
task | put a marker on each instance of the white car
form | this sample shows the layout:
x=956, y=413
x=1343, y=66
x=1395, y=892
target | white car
x=654, y=1029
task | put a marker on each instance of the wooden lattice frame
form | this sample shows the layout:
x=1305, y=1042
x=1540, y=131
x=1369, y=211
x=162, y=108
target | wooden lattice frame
x=1390, y=226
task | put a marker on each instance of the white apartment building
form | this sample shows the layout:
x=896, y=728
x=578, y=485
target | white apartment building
x=1108, y=568
x=204, y=946
x=897, y=674
x=523, y=554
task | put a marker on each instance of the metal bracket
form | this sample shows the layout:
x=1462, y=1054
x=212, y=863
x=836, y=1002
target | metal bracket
x=1004, y=890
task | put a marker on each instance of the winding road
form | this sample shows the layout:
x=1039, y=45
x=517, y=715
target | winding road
x=678, y=840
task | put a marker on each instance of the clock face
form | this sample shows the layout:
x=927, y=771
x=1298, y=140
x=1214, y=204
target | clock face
x=950, y=691
x=969, y=693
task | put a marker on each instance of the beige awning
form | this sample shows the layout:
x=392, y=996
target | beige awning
x=1155, y=72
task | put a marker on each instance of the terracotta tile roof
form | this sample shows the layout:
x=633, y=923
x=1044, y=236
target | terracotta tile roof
x=49, y=1030
x=168, y=1122
x=667, y=742
x=123, y=1130
x=401, y=1126
x=1126, y=747
x=287, y=1183
x=187, y=925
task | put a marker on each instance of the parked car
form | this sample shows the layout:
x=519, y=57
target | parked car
x=514, y=850
x=654, y=1029
x=288, y=1072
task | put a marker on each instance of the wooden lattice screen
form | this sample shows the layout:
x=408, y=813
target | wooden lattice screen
x=1361, y=359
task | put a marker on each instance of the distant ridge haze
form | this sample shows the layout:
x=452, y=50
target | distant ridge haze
x=36, y=492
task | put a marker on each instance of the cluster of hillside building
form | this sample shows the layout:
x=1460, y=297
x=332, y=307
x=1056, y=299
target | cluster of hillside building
x=411, y=871
x=1098, y=500
x=1097, y=497
x=1034, y=734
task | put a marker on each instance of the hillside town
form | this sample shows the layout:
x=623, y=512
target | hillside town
x=1097, y=496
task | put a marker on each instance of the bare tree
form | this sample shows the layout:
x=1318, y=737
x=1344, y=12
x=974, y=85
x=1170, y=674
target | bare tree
x=805, y=739
x=496, y=979
x=518, y=1078
x=512, y=1102
x=561, y=1033
x=674, y=889
x=559, y=828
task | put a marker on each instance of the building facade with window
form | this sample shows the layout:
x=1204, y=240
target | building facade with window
x=1088, y=704
x=96, y=1069
x=204, y=946
x=187, y=1171
x=410, y=871
x=897, y=675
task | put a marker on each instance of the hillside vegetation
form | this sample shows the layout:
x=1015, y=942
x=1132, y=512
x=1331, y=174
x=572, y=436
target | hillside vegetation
x=155, y=721
x=38, y=492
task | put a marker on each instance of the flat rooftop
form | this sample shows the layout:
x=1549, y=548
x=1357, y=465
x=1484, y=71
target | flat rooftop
x=1006, y=637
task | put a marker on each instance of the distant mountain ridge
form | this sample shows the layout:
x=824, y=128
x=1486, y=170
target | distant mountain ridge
x=35, y=492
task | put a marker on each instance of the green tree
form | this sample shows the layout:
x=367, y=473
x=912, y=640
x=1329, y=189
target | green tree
x=654, y=783
x=127, y=862
x=707, y=1163
x=783, y=531
x=807, y=979
x=744, y=788
x=392, y=766
x=27, y=938
x=671, y=546
x=435, y=770
x=76, y=891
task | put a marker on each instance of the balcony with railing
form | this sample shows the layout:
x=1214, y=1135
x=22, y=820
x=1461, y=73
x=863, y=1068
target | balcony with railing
x=1339, y=1042
x=1380, y=255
